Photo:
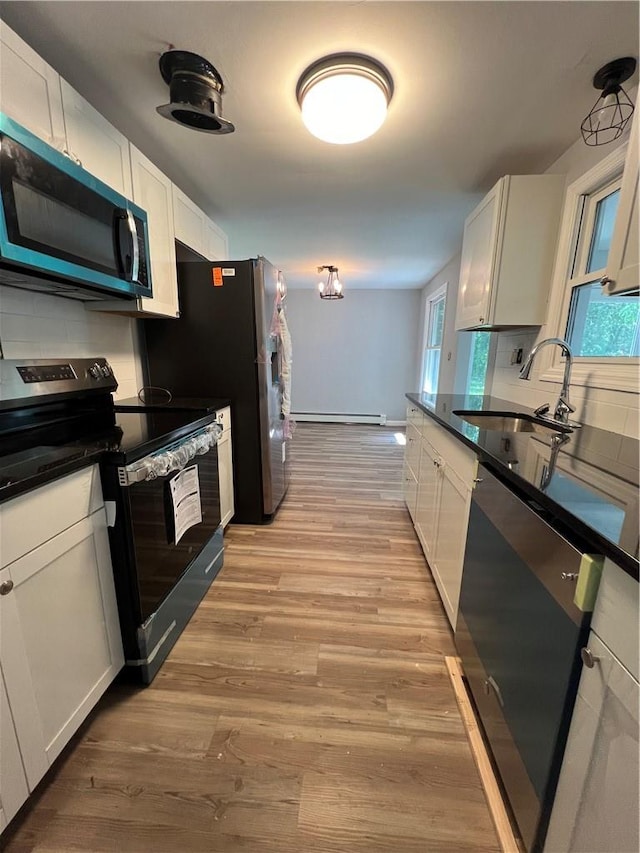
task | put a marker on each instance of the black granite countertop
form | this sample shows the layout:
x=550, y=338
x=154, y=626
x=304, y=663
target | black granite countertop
x=593, y=488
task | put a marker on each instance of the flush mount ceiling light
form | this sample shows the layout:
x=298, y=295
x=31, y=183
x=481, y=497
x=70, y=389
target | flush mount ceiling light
x=613, y=109
x=344, y=97
x=195, y=92
x=332, y=287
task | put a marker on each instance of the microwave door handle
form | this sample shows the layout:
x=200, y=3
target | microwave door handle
x=128, y=253
x=135, y=249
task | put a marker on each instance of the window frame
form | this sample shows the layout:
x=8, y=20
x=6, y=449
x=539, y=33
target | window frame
x=438, y=295
x=616, y=374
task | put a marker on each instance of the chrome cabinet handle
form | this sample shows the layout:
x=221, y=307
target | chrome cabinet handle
x=588, y=658
x=480, y=319
x=605, y=281
x=478, y=479
x=6, y=587
x=569, y=576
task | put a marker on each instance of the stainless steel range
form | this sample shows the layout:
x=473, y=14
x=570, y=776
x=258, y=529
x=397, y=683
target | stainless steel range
x=159, y=473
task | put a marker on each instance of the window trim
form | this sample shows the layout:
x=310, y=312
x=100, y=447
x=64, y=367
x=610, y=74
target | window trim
x=589, y=372
x=438, y=294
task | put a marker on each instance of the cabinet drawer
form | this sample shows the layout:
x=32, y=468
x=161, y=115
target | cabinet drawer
x=412, y=451
x=223, y=417
x=456, y=456
x=31, y=519
x=414, y=416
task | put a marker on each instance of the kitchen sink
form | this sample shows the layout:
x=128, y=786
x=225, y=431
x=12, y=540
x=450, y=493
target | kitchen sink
x=511, y=422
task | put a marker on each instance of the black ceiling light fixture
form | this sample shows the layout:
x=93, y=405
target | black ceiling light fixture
x=332, y=287
x=613, y=109
x=195, y=92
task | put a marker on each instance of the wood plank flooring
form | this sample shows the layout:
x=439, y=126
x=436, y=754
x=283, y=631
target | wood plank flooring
x=307, y=706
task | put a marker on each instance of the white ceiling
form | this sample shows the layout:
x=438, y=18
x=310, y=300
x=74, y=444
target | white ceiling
x=482, y=89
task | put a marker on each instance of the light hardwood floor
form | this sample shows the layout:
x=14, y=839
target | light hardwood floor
x=306, y=707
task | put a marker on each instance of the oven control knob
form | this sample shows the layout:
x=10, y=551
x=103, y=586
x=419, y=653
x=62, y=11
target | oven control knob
x=94, y=371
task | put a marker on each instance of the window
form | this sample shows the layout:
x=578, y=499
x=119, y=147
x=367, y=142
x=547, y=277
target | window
x=479, y=362
x=599, y=326
x=433, y=333
x=603, y=331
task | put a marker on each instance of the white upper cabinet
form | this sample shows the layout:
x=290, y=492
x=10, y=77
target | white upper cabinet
x=216, y=247
x=30, y=89
x=188, y=222
x=478, y=259
x=152, y=190
x=194, y=229
x=95, y=143
x=623, y=267
x=508, y=251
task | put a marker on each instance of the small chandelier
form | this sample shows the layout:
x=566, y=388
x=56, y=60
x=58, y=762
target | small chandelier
x=332, y=287
x=613, y=109
x=344, y=97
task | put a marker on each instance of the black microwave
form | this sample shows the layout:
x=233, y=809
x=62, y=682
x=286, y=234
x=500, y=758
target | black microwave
x=61, y=229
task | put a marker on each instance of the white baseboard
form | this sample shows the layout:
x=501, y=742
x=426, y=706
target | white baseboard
x=336, y=418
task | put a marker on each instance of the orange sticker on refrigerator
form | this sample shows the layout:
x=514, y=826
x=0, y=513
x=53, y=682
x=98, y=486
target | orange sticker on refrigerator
x=217, y=276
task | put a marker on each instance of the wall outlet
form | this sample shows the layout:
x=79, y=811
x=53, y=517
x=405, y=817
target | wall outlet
x=516, y=355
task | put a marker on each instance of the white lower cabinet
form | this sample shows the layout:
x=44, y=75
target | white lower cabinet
x=596, y=808
x=225, y=466
x=411, y=469
x=450, y=538
x=60, y=644
x=444, y=482
x=427, y=500
x=13, y=782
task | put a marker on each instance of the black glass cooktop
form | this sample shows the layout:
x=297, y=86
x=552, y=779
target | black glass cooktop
x=52, y=447
x=157, y=400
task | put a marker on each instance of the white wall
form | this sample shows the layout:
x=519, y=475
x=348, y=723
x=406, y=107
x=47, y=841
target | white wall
x=616, y=411
x=355, y=355
x=35, y=325
x=455, y=353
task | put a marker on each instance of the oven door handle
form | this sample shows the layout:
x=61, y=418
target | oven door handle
x=176, y=457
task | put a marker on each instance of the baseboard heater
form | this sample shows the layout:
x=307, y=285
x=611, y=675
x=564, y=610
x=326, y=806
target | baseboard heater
x=335, y=418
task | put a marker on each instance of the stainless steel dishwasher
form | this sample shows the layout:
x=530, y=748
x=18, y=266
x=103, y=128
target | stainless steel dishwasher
x=519, y=635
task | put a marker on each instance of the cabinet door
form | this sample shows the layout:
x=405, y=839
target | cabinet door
x=13, y=782
x=216, y=248
x=450, y=539
x=152, y=191
x=101, y=149
x=30, y=89
x=596, y=805
x=479, y=249
x=623, y=267
x=59, y=638
x=225, y=474
x=412, y=450
x=427, y=498
x=225, y=466
x=188, y=222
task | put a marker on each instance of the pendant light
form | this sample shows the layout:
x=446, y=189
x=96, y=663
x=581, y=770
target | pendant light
x=613, y=109
x=344, y=97
x=332, y=287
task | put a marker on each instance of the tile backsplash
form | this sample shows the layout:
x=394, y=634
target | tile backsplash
x=615, y=411
x=36, y=325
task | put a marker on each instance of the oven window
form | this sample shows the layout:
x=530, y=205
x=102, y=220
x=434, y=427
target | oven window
x=159, y=562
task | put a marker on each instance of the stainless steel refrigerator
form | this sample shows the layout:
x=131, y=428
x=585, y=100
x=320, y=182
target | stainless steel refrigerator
x=222, y=346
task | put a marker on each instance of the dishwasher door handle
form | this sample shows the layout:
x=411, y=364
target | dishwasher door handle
x=491, y=684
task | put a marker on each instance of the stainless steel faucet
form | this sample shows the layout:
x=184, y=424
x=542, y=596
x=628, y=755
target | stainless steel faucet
x=563, y=407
